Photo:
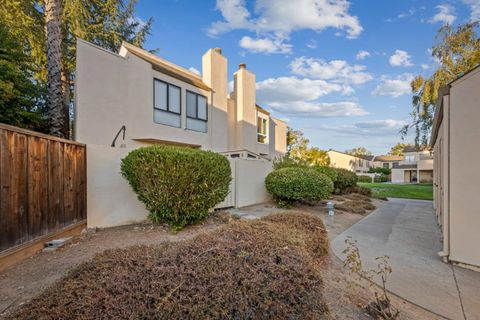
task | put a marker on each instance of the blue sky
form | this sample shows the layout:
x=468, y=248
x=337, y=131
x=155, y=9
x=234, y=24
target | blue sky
x=339, y=72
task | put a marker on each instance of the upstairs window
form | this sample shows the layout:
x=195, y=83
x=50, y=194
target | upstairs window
x=197, y=112
x=262, y=128
x=166, y=103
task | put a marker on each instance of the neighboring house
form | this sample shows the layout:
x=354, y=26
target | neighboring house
x=416, y=166
x=455, y=141
x=387, y=162
x=343, y=160
x=158, y=102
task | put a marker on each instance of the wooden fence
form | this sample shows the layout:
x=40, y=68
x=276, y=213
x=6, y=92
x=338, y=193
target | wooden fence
x=42, y=185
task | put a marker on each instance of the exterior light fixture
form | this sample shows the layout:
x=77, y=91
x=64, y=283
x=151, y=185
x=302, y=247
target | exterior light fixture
x=122, y=129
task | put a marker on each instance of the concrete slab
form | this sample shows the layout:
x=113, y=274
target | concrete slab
x=406, y=231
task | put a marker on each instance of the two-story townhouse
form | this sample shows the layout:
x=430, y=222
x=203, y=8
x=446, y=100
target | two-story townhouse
x=416, y=166
x=387, y=161
x=134, y=98
x=343, y=160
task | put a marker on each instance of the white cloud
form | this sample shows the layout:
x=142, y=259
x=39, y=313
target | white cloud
x=265, y=45
x=312, y=44
x=339, y=71
x=279, y=18
x=194, y=70
x=445, y=14
x=362, y=54
x=367, y=128
x=474, y=9
x=396, y=87
x=425, y=66
x=299, y=97
x=400, y=58
x=291, y=89
x=305, y=109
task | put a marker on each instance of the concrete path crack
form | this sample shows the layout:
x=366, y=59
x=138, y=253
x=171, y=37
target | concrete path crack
x=459, y=293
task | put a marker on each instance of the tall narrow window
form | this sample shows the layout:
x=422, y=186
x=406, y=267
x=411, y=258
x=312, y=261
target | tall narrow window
x=167, y=103
x=197, y=112
x=262, y=129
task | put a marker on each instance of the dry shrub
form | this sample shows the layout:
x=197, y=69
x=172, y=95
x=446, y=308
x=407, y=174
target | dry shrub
x=265, y=269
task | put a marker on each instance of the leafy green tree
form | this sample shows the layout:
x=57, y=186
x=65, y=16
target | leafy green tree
x=19, y=96
x=103, y=22
x=457, y=52
x=359, y=152
x=299, y=151
x=397, y=150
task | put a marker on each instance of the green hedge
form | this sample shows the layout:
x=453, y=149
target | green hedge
x=364, y=179
x=178, y=185
x=346, y=179
x=328, y=171
x=381, y=178
x=291, y=185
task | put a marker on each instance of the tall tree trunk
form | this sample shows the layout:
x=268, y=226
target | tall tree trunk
x=55, y=103
x=66, y=99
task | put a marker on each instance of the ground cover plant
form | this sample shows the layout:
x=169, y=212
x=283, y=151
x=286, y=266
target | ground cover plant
x=263, y=269
x=178, y=185
x=408, y=191
x=295, y=184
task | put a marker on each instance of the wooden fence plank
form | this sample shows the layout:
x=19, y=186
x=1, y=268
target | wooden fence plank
x=68, y=184
x=37, y=186
x=56, y=218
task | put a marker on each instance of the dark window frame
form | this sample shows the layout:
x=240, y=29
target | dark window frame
x=168, y=97
x=196, y=105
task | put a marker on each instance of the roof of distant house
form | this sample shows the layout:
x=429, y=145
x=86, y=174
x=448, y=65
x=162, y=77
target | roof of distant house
x=412, y=148
x=388, y=158
x=368, y=158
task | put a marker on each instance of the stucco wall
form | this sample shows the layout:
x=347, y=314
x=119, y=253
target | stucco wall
x=398, y=176
x=110, y=199
x=250, y=181
x=464, y=178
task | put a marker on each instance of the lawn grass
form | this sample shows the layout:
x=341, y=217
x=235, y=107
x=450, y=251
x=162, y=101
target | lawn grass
x=409, y=191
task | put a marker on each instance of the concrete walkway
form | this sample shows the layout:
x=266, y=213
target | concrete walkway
x=406, y=231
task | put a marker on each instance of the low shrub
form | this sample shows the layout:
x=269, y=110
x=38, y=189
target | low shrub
x=328, y=171
x=263, y=269
x=178, y=185
x=381, y=170
x=381, y=178
x=345, y=179
x=362, y=178
x=286, y=162
x=291, y=185
x=362, y=190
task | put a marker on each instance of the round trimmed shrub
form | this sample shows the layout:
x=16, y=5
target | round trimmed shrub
x=291, y=185
x=364, y=179
x=178, y=185
x=346, y=179
x=328, y=171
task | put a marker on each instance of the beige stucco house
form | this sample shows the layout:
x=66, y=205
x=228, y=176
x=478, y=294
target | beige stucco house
x=386, y=161
x=455, y=142
x=416, y=166
x=134, y=98
x=359, y=165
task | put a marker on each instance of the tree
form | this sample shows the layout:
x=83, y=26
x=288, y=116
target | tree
x=397, y=150
x=299, y=151
x=457, y=52
x=56, y=113
x=103, y=22
x=359, y=152
x=19, y=96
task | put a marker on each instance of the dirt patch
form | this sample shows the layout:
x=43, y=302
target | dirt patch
x=263, y=269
